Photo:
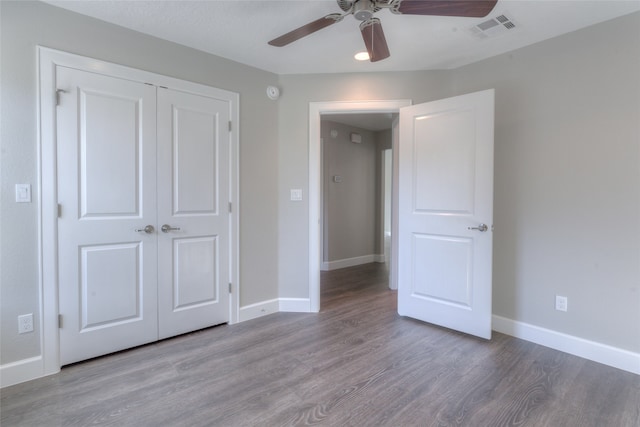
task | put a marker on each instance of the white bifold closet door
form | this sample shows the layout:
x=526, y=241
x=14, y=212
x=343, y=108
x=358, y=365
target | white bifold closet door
x=134, y=160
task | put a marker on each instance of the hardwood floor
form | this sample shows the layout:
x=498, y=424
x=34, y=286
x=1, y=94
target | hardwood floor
x=356, y=363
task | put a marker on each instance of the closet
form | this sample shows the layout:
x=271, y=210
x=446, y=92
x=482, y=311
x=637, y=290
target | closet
x=143, y=191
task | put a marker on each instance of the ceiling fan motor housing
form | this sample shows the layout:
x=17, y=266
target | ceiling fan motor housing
x=363, y=10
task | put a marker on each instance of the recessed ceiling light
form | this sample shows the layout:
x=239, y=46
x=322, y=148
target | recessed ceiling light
x=362, y=56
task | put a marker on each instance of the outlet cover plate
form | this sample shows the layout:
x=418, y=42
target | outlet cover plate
x=561, y=303
x=25, y=323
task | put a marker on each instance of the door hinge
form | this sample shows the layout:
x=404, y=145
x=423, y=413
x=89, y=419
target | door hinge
x=59, y=210
x=230, y=207
x=230, y=126
x=58, y=91
x=60, y=321
x=229, y=287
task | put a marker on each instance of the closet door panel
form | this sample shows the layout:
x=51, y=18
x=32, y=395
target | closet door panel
x=193, y=196
x=106, y=157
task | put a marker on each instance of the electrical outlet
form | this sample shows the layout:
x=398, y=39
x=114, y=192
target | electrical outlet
x=561, y=303
x=25, y=323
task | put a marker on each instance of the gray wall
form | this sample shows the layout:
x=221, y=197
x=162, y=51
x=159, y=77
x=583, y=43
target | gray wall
x=567, y=181
x=567, y=174
x=27, y=24
x=350, y=209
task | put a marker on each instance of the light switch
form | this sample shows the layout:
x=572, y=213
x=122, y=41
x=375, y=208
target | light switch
x=23, y=193
x=296, y=194
x=337, y=178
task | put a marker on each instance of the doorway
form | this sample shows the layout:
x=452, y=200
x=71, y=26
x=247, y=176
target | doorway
x=316, y=111
x=356, y=191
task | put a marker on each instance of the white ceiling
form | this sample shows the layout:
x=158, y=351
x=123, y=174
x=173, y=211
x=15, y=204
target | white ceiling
x=240, y=29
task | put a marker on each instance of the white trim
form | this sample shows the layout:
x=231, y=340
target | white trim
x=315, y=169
x=259, y=309
x=20, y=371
x=601, y=353
x=393, y=259
x=296, y=305
x=276, y=305
x=350, y=262
x=48, y=60
x=234, y=198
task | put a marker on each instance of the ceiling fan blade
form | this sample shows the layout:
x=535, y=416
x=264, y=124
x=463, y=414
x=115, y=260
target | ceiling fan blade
x=307, y=29
x=374, y=39
x=466, y=8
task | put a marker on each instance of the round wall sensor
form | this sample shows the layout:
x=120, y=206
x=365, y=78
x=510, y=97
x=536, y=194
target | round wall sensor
x=273, y=92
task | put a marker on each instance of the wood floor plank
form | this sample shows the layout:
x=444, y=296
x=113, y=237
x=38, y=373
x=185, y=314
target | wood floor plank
x=356, y=363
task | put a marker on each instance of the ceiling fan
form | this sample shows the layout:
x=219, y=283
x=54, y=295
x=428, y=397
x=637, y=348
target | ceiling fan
x=371, y=27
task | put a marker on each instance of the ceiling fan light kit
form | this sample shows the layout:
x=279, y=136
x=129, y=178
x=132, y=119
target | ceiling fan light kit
x=362, y=56
x=371, y=27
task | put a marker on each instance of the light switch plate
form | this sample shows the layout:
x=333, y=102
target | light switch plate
x=23, y=193
x=296, y=194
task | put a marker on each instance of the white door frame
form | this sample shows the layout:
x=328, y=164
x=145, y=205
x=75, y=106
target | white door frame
x=384, y=215
x=316, y=109
x=49, y=362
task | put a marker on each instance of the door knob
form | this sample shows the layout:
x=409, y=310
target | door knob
x=167, y=228
x=481, y=227
x=148, y=229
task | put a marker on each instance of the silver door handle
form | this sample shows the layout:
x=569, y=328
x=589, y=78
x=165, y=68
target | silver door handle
x=148, y=229
x=167, y=228
x=481, y=227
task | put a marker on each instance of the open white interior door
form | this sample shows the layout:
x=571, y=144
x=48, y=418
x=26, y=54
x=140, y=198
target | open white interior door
x=446, y=212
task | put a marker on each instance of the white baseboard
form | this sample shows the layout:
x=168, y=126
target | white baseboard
x=601, y=353
x=259, y=309
x=21, y=371
x=296, y=305
x=263, y=308
x=351, y=262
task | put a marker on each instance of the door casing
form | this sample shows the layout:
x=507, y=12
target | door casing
x=49, y=362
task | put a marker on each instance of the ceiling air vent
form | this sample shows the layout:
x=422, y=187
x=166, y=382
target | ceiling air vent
x=493, y=27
